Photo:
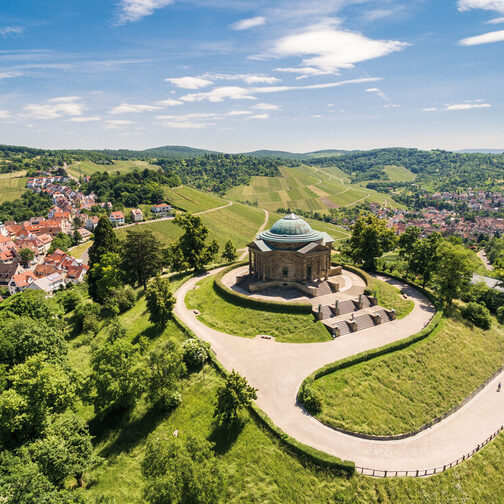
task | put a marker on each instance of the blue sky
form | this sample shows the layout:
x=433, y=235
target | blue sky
x=239, y=75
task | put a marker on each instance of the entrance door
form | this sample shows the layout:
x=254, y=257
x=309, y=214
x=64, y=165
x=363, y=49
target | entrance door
x=308, y=273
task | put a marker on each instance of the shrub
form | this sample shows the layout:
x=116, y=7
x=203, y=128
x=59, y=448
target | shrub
x=312, y=400
x=195, y=353
x=124, y=298
x=70, y=300
x=83, y=312
x=477, y=314
x=500, y=314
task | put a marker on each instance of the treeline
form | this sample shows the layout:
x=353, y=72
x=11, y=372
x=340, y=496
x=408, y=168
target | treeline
x=446, y=170
x=29, y=205
x=220, y=172
x=131, y=189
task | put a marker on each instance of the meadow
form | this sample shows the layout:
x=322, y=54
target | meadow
x=191, y=200
x=12, y=186
x=399, y=174
x=402, y=391
x=88, y=167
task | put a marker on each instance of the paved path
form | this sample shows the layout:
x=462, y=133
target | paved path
x=484, y=259
x=278, y=369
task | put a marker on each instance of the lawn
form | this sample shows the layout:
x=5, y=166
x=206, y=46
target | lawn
x=247, y=322
x=390, y=297
x=259, y=469
x=80, y=249
x=12, y=186
x=401, y=391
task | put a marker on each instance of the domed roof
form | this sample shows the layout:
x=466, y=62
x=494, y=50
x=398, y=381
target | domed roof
x=291, y=229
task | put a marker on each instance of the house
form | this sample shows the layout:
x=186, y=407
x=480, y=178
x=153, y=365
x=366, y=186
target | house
x=3, y=230
x=76, y=274
x=7, y=272
x=162, y=210
x=85, y=234
x=116, y=218
x=20, y=282
x=43, y=270
x=92, y=222
x=48, y=284
x=137, y=215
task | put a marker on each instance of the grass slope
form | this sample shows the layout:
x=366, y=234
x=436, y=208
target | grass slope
x=247, y=322
x=12, y=186
x=192, y=200
x=399, y=174
x=88, y=167
x=402, y=391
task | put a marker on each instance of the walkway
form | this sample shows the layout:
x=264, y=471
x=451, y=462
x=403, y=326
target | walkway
x=278, y=369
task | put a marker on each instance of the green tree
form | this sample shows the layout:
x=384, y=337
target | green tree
x=454, y=271
x=32, y=304
x=178, y=472
x=26, y=255
x=62, y=241
x=370, y=239
x=191, y=250
x=106, y=276
x=141, y=256
x=37, y=390
x=165, y=368
x=76, y=238
x=160, y=300
x=424, y=258
x=407, y=242
x=105, y=241
x=229, y=253
x=235, y=394
x=117, y=376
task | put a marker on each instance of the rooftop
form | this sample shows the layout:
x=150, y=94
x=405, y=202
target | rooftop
x=291, y=228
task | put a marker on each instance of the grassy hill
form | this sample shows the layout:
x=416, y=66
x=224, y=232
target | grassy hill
x=177, y=151
x=12, y=185
x=88, y=167
x=306, y=188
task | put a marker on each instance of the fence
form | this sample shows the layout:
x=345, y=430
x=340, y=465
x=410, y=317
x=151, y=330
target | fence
x=420, y=473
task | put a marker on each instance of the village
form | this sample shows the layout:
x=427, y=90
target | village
x=27, y=258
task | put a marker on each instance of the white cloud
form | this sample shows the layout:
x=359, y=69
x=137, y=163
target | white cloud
x=486, y=38
x=219, y=94
x=4, y=114
x=245, y=24
x=494, y=5
x=239, y=113
x=129, y=108
x=260, y=116
x=169, y=103
x=186, y=124
x=55, y=108
x=9, y=75
x=327, y=85
x=133, y=10
x=185, y=117
x=303, y=71
x=85, y=119
x=117, y=123
x=496, y=20
x=466, y=105
x=383, y=96
x=266, y=106
x=190, y=82
x=328, y=49
x=247, y=78
x=11, y=31
x=429, y=109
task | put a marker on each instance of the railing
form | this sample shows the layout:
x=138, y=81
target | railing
x=420, y=473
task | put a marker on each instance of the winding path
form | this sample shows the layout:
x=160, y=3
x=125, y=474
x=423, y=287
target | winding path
x=278, y=369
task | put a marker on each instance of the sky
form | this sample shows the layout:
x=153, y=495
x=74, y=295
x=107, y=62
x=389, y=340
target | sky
x=241, y=75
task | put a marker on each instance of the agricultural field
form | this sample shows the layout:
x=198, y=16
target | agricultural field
x=191, y=200
x=306, y=188
x=399, y=174
x=235, y=319
x=402, y=391
x=88, y=167
x=12, y=186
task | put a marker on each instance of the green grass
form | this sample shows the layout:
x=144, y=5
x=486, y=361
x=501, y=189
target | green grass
x=247, y=322
x=80, y=249
x=88, y=167
x=399, y=174
x=12, y=187
x=401, y=391
x=192, y=200
x=390, y=297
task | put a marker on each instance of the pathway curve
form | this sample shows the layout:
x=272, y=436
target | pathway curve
x=278, y=369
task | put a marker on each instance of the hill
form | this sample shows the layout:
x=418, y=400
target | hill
x=177, y=152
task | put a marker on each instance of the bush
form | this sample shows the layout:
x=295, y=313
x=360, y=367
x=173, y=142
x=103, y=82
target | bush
x=124, y=298
x=195, y=353
x=500, y=315
x=84, y=312
x=70, y=300
x=312, y=400
x=477, y=314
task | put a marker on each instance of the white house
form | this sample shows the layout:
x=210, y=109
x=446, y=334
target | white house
x=163, y=210
x=137, y=215
x=116, y=218
x=48, y=284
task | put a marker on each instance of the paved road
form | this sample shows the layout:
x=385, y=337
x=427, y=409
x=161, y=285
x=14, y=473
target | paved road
x=278, y=369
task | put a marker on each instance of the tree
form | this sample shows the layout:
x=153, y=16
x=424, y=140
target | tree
x=160, y=300
x=26, y=255
x=181, y=472
x=370, y=239
x=191, y=250
x=105, y=276
x=105, y=241
x=76, y=238
x=64, y=450
x=424, y=258
x=62, y=241
x=38, y=389
x=455, y=268
x=141, y=257
x=33, y=304
x=407, y=242
x=195, y=353
x=236, y=393
x=229, y=253
x=117, y=375
x=166, y=366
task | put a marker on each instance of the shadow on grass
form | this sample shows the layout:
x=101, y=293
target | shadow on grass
x=151, y=333
x=224, y=435
x=130, y=432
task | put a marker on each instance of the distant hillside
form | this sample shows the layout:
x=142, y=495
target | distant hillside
x=276, y=154
x=177, y=152
x=481, y=151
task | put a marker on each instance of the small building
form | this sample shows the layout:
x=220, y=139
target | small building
x=20, y=282
x=48, y=284
x=116, y=218
x=7, y=272
x=291, y=252
x=162, y=210
x=92, y=222
x=137, y=215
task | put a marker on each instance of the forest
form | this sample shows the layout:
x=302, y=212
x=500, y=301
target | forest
x=29, y=205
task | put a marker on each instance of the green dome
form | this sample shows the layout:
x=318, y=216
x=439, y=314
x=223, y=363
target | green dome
x=291, y=229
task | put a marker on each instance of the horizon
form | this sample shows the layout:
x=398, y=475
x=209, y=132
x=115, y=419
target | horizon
x=244, y=76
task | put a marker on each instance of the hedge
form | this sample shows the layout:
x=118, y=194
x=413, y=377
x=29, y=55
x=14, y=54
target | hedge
x=244, y=301
x=302, y=451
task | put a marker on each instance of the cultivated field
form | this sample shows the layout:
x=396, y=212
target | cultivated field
x=11, y=186
x=399, y=174
x=88, y=167
x=192, y=200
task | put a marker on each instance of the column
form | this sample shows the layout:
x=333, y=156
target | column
x=250, y=262
x=327, y=265
x=319, y=268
